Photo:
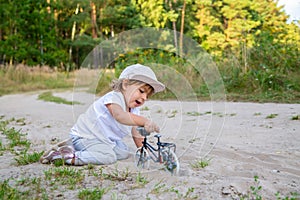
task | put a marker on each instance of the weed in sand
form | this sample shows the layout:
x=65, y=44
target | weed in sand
x=173, y=189
x=116, y=175
x=271, y=116
x=162, y=188
x=26, y=159
x=8, y=192
x=13, y=136
x=158, y=188
x=65, y=176
x=200, y=164
x=92, y=170
x=159, y=111
x=92, y=194
x=219, y=114
x=296, y=117
x=2, y=149
x=194, y=113
x=31, y=189
x=141, y=180
x=294, y=196
x=59, y=162
x=171, y=113
x=189, y=194
x=256, y=190
x=146, y=108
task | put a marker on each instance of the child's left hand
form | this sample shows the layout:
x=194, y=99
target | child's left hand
x=150, y=127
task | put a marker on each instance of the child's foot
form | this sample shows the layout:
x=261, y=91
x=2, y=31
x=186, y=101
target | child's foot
x=50, y=156
x=63, y=152
x=67, y=152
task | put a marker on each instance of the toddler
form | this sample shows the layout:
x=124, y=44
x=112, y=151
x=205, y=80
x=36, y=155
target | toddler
x=97, y=135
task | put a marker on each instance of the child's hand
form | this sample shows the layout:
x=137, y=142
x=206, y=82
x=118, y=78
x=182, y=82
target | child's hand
x=150, y=127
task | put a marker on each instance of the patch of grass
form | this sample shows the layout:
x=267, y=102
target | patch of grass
x=256, y=189
x=59, y=162
x=64, y=175
x=146, y=108
x=14, y=137
x=8, y=192
x=117, y=175
x=171, y=113
x=232, y=114
x=163, y=188
x=26, y=159
x=294, y=196
x=200, y=164
x=271, y=116
x=159, y=111
x=48, y=96
x=218, y=114
x=296, y=117
x=256, y=193
x=193, y=113
x=141, y=180
x=91, y=194
x=158, y=188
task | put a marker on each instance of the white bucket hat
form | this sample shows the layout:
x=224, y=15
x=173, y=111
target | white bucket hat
x=142, y=73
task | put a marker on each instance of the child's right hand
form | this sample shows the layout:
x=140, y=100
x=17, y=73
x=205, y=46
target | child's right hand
x=150, y=127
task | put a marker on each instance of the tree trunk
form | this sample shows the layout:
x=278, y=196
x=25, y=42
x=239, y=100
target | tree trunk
x=112, y=31
x=94, y=34
x=182, y=28
x=174, y=29
x=72, y=39
x=93, y=17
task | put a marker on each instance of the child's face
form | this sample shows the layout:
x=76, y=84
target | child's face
x=135, y=95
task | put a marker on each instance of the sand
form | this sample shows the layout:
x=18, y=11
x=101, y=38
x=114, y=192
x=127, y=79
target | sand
x=239, y=141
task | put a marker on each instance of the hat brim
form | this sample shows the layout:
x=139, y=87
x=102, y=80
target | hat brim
x=157, y=86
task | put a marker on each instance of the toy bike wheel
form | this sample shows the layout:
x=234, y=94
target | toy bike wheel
x=170, y=161
x=141, y=158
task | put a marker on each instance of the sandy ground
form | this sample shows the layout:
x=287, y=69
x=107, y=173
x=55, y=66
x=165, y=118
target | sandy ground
x=238, y=139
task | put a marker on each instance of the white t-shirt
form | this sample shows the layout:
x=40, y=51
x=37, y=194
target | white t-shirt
x=97, y=122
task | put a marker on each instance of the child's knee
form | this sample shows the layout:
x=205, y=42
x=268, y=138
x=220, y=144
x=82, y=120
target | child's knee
x=121, y=154
x=96, y=158
x=106, y=159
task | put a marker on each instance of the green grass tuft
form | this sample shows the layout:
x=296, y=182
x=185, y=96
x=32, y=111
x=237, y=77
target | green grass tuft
x=48, y=96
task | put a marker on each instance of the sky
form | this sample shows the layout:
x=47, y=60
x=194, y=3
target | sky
x=292, y=8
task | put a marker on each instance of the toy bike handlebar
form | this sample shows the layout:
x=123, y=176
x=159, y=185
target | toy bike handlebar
x=142, y=131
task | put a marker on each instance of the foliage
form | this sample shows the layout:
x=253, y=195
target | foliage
x=41, y=32
x=256, y=50
x=163, y=60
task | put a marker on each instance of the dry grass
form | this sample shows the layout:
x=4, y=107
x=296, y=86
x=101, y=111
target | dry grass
x=20, y=78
